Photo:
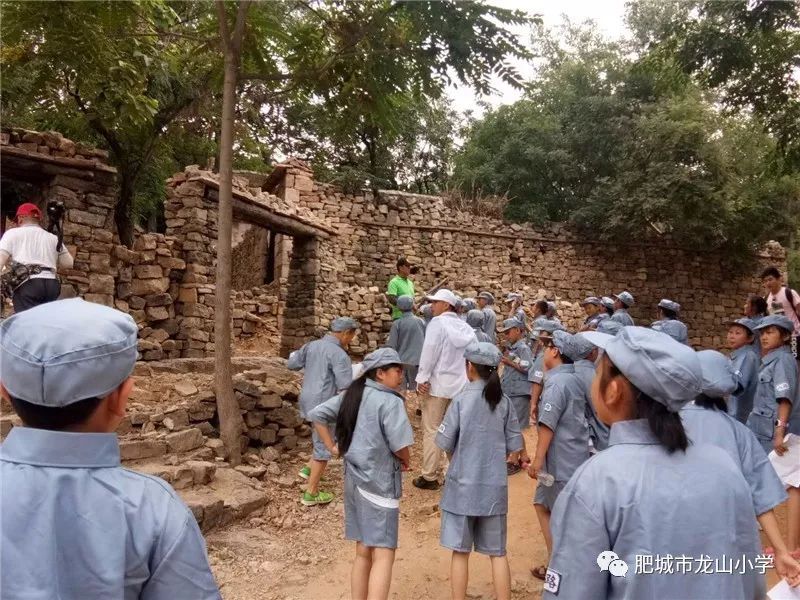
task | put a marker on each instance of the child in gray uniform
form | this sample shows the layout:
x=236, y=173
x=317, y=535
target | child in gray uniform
x=374, y=437
x=478, y=432
x=516, y=380
x=563, y=435
x=475, y=319
x=406, y=336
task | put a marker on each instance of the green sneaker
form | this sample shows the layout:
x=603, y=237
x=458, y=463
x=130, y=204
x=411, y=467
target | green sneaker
x=320, y=498
x=305, y=473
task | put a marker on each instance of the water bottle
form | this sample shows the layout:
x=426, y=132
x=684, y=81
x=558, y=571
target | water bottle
x=545, y=478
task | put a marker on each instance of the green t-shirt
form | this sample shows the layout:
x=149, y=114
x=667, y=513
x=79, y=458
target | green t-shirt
x=399, y=286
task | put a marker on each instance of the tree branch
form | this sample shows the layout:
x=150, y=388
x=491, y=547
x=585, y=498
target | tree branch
x=94, y=121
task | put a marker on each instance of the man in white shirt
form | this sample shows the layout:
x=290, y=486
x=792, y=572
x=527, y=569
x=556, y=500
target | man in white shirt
x=442, y=374
x=37, y=249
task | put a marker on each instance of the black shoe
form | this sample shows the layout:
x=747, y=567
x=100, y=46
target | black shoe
x=425, y=484
x=512, y=468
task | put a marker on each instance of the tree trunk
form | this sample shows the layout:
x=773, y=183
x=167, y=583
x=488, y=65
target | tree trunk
x=123, y=209
x=230, y=419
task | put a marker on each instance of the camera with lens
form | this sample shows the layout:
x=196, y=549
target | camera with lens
x=55, y=220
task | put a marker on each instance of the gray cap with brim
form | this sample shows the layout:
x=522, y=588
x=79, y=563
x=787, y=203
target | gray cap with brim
x=66, y=351
x=664, y=369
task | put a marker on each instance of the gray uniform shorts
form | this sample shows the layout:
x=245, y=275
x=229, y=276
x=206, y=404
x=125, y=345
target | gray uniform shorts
x=366, y=522
x=410, y=376
x=546, y=496
x=320, y=451
x=486, y=535
x=522, y=408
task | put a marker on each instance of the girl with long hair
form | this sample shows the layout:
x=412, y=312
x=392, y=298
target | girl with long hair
x=374, y=437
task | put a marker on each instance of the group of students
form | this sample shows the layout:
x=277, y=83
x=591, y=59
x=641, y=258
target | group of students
x=644, y=446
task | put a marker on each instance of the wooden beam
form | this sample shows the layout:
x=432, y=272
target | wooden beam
x=260, y=215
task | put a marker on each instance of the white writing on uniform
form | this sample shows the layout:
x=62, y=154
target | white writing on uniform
x=782, y=387
x=547, y=406
x=441, y=428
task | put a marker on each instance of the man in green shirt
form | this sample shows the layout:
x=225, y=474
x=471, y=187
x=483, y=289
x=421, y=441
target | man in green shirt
x=400, y=285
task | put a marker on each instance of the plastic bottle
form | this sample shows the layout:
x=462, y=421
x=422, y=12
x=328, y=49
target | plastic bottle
x=546, y=479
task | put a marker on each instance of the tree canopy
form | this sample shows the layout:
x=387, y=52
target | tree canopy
x=625, y=139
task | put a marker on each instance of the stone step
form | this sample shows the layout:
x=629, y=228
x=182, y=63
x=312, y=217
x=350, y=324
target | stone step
x=181, y=476
x=230, y=497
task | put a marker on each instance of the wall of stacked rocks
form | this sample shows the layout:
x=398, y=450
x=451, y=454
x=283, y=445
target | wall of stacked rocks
x=477, y=252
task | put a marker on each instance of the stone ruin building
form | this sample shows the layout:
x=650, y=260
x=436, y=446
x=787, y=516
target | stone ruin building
x=305, y=252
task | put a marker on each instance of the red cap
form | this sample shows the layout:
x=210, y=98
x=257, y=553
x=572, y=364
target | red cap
x=28, y=210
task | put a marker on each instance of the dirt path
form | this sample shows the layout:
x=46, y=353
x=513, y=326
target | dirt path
x=289, y=552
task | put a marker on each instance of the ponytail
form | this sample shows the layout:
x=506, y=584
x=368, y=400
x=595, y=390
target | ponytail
x=493, y=392
x=665, y=425
x=704, y=401
x=348, y=411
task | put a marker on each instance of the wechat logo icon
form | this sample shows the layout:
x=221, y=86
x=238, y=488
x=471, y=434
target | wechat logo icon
x=609, y=561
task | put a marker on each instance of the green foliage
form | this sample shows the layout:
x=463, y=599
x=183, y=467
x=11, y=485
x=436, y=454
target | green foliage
x=629, y=148
x=113, y=73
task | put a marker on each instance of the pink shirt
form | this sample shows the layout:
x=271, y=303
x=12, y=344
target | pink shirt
x=784, y=306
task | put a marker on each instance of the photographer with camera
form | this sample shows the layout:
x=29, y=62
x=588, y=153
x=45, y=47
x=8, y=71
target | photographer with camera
x=30, y=256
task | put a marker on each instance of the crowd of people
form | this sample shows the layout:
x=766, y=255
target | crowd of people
x=649, y=455
x=644, y=446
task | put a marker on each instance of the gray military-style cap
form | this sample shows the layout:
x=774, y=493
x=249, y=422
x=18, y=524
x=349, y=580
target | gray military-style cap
x=748, y=324
x=781, y=321
x=483, y=353
x=659, y=366
x=592, y=300
x=607, y=301
x=669, y=305
x=487, y=296
x=340, y=324
x=581, y=347
x=626, y=298
x=719, y=378
x=510, y=324
x=66, y=351
x=475, y=318
x=380, y=358
x=545, y=325
x=469, y=304
x=563, y=341
x=405, y=303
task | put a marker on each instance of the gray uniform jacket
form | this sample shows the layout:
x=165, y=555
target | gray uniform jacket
x=490, y=323
x=482, y=337
x=327, y=369
x=594, y=320
x=382, y=428
x=709, y=426
x=77, y=525
x=675, y=329
x=406, y=336
x=635, y=498
x=537, y=370
x=745, y=367
x=480, y=439
x=514, y=382
x=777, y=378
x=585, y=371
x=562, y=408
x=621, y=316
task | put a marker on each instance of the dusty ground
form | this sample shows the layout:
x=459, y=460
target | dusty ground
x=289, y=552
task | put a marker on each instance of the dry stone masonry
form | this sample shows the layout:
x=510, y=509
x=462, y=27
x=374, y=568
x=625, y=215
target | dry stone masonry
x=306, y=252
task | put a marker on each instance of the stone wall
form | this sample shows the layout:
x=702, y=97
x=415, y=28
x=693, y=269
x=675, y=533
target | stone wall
x=335, y=253
x=476, y=253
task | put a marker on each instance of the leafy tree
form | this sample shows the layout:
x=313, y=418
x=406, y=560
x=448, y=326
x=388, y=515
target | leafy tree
x=626, y=147
x=115, y=72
